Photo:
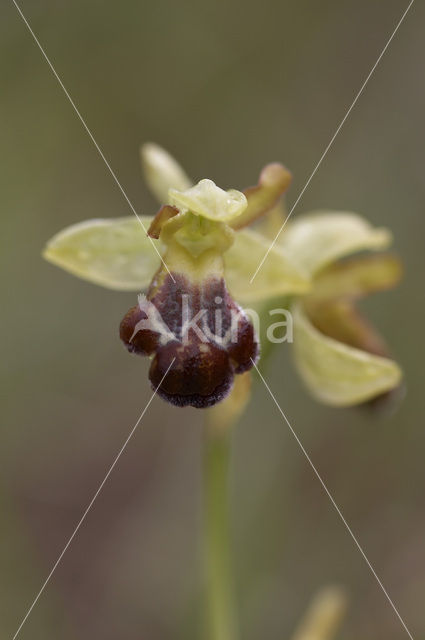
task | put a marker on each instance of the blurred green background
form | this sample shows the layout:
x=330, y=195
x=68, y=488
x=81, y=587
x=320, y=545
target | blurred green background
x=227, y=87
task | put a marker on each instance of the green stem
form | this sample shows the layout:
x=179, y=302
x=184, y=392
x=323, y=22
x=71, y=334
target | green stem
x=219, y=588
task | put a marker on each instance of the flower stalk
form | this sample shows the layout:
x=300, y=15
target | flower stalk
x=221, y=621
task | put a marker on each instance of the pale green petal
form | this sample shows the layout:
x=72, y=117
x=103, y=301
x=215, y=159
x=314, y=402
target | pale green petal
x=162, y=172
x=207, y=200
x=314, y=240
x=335, y=373
x=277, y=277
x=115, y=253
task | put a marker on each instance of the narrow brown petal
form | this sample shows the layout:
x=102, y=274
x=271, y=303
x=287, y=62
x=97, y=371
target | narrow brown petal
x=340, y=320
x=273, y=182
x=165, y=213
x=359, y=276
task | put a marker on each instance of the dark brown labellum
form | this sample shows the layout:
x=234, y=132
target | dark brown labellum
x=201, y=327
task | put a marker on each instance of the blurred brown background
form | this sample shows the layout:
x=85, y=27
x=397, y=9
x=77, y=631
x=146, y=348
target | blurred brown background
x=227, y=87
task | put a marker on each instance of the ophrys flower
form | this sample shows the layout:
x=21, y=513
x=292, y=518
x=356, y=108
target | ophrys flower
x=209, y=257
x=189, y=316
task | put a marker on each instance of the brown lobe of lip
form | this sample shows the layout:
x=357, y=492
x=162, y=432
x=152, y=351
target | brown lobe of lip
x=197, y=378
x=202, y=372
x=144, y=342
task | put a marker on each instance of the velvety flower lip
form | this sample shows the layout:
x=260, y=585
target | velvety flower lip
x=208, y=357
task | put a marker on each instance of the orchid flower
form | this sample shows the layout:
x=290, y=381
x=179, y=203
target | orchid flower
x=198, y=258
x=194, y=263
